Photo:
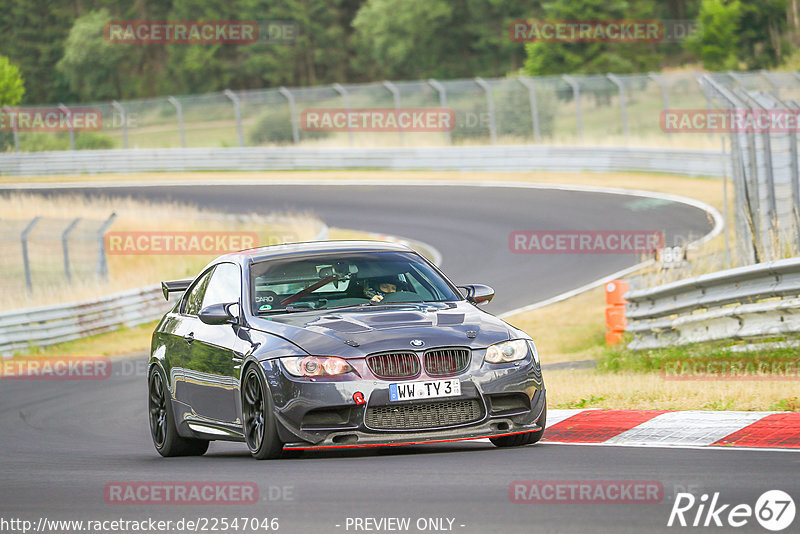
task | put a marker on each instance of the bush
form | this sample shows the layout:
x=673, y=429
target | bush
x=49, y=141
x=275, y=126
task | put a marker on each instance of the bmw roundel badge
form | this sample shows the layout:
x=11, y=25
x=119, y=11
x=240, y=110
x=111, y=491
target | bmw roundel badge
x=417, y=343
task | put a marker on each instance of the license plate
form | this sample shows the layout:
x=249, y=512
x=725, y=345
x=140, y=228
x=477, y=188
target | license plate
x=424, y=390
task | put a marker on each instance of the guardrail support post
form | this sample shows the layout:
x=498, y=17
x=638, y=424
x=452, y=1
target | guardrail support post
x=237, y=113
x=102, y=262
x=664, y=93
x=537, y=133
x=490, y=105
x=292, y=114
x=576, y=94
x=622, y=103
x=65, y=247
x=795, y=172
x=25, y=259
x=13, y=128
x=124, y=120
x=65, y=110
x=339, y=88
x=439, y=88
x=392, y=88
x=179, y=110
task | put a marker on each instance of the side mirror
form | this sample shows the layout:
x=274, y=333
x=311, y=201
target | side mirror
x=478, y=293
x=217, y=314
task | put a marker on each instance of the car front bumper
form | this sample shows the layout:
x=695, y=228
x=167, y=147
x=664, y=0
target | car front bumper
x=343, y=422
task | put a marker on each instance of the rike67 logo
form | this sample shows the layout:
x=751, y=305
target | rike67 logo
x=774, y=510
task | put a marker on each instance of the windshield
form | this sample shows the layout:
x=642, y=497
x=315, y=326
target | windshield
x=336, y=280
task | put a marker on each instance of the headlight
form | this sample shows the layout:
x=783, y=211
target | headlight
x=316, y=366
x=507, y=351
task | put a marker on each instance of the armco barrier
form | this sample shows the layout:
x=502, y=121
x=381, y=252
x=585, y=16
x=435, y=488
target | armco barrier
x=747, y=303
x=456, y=158
x=48, y=325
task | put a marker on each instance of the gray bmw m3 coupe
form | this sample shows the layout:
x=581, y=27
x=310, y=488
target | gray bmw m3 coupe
x=337, y=345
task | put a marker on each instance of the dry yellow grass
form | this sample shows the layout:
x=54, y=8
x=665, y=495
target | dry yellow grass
x=126, y=271
x=570, y=330
x=586, y=388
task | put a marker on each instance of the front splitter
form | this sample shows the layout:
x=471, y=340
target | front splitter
x=381, y=441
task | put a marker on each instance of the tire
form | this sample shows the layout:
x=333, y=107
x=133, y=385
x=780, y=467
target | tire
x=258, y=422
x=162, y=421
x=518, y=440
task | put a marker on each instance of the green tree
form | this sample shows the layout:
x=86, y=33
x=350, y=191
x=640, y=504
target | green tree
x=545, y=58
x=762, y=33
x=91, y=65
x=12, y=87
x=411, y=39
x=717, y=39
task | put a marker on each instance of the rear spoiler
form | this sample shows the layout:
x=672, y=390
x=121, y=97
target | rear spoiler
x=175, y=286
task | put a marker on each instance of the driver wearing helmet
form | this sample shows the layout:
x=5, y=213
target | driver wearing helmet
x=379, y=287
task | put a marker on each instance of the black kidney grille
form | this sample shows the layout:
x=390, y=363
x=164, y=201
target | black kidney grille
x=424, y=415
x=394, y=365
x=446, y=362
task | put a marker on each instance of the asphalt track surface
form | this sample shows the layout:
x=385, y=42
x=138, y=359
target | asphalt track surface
x=62, y=442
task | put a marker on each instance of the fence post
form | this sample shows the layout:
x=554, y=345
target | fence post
x=237, y=113
x=490, y=104
x=292, y=113
x=65, y=110
x=102, y=262
x=13, y=121
x=772, y=210
x=726, y=236
x=392, y=88
x=25, y=259
x=439, y=88
x=339, y=88
x=664, y=94
x=116, y=105
x=795, y=170
x=537, y=133
x=65, y=247
x=771, y=79
x=576, y=94
x=622, y=103
x=179, y=110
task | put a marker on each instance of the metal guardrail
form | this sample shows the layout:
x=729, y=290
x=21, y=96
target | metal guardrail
x=47, y=325
x=458, y=158
x=745, y=303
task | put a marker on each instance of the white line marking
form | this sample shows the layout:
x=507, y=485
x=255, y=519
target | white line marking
x=688, y=428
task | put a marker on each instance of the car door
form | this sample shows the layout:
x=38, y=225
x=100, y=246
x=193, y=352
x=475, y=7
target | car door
x=216, y=350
